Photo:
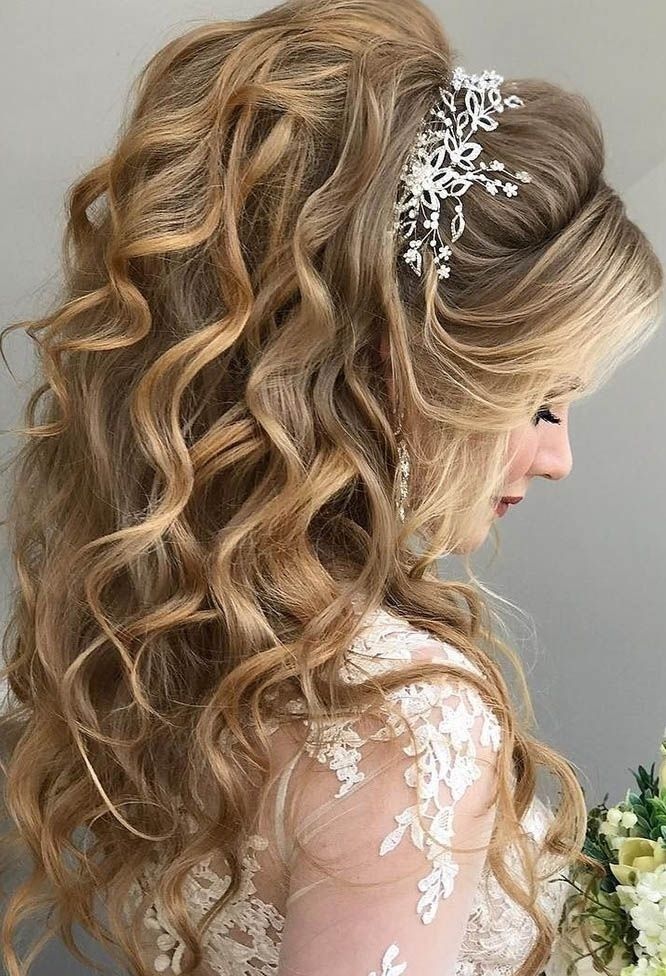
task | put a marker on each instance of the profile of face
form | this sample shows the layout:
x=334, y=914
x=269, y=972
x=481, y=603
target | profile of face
x=540, y=448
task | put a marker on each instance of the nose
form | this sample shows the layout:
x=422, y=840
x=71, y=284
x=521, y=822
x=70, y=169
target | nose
x=556, y=459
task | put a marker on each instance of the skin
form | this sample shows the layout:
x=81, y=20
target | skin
x=541, y=451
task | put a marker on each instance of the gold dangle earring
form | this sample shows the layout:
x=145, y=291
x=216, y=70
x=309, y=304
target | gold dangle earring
x=404, y=469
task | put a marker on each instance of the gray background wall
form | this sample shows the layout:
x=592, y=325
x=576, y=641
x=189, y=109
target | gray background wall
x=584, y=558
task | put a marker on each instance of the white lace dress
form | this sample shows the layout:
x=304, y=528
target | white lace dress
x=398, y=902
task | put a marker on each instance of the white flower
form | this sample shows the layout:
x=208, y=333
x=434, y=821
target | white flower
x=645, y=902
x=616, y=819
x=645, y=967
x=649, y=919
x=652, y=885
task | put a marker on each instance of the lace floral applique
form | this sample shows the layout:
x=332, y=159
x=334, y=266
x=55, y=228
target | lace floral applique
x=441, y=717
x=499, y=932
x=388, y=969
x=341, y=750
x=245, y=938
x=246, y=918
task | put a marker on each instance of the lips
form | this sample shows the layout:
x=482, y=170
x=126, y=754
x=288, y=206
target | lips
x=512, y=499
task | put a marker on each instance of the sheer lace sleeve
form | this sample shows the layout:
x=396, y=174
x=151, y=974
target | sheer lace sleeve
x=398, y=900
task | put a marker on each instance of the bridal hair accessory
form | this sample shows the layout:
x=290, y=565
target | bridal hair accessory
x=443, y=163
x=404, y=478
x=404, y=469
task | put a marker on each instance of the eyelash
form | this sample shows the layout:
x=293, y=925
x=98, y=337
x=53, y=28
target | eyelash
x=546, y=414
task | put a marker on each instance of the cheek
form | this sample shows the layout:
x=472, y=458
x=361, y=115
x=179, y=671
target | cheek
x=522, y=448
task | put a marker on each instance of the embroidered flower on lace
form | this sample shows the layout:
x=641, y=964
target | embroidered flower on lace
x=340, y=745
x=341, y=750
x=382, y=640
x=499, y=932
x=388, y=969
x=244, y=939
x=385, y=640
x=441, y=717
x=247, y=914
x=445, y=753
x=466, y=968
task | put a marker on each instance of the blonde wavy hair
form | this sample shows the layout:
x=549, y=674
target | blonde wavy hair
x=210, y=466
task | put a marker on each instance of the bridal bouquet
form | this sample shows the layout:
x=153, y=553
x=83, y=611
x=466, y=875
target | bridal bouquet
x=615, y=923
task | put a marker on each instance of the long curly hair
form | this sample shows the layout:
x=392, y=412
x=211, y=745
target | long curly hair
x=210, y=467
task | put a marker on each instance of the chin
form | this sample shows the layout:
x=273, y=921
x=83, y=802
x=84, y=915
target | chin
x=475, y=538
x=471, y=545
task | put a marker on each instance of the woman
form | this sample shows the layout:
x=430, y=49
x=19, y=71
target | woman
x=272, y=398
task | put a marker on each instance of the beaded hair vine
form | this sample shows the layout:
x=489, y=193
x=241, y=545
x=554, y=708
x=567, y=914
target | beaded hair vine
x=444, y=163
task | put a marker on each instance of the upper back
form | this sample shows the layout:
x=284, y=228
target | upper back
x=359, y=798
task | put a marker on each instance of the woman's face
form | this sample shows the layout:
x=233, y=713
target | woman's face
x=537, y=450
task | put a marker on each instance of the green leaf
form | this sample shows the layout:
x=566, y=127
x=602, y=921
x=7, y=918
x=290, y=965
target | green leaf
x=594, y=850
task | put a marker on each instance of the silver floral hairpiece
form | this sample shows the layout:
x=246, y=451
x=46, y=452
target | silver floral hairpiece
x=442, y=164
